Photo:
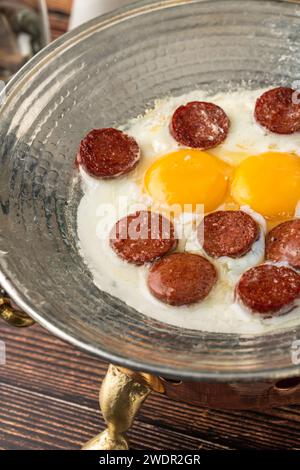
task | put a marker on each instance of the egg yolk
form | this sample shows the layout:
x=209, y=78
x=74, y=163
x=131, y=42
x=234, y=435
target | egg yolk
x=269, y=183
x=188, y=177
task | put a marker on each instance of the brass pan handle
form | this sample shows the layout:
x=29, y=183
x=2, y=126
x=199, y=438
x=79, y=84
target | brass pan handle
x=10, y=313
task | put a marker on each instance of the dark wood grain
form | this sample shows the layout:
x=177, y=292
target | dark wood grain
x=59, y=16
x=49, y=393
x=49, y=400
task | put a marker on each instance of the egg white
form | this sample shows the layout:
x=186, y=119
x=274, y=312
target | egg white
x=106, y=201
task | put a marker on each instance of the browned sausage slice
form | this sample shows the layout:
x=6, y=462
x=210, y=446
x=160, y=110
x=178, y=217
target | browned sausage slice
x=276, y=111
x=181, y=279
x=200, y=125
x=283, y=243
x=228, y=233
x=108, y=153
x=142, y=237
x=269, y=290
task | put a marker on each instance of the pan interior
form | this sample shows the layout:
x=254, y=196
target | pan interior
x=101, y=75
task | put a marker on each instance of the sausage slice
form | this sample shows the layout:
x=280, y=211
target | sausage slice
x=228, y=233
x=283, y=243
x=108, y=153
x=200, y=125
x=269, y=290
x=142, y=237
x=182, y=279
x=276, y=111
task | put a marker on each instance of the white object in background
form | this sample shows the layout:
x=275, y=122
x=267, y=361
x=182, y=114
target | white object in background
x=24, y=43
x=84, y=10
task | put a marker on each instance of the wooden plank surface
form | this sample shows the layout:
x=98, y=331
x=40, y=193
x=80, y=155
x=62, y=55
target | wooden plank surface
x=59, y=11
x=49, y=400
x=49, y=390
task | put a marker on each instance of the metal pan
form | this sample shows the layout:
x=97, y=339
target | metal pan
x=101, y=74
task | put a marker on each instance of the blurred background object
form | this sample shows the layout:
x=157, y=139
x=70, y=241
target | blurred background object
x=24, y=30
x=25, y=26
x=59, y=15
x=84, y=10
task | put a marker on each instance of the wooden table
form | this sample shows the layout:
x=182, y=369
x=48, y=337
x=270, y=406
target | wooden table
x=48, y=396
x=59, y=16
x=49, y=390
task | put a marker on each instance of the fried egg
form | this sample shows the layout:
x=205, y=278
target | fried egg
x=253, y=170
x=269, y=183
x=188, y=177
